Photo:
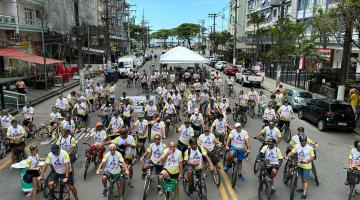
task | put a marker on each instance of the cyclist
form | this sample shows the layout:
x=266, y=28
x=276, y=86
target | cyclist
x=126, y=144
x=31, y=166
x=5, y=123
x=238, y=144
x=208, y=141
x=204, y=101
x=295, y=140
x=170, y=113
x=278, y=99
x=262, y=100
x=285, y=113
x=89, y=82
x=176, y=97
x=193, y=158
x=172, y=78
x=305, y=155
x=28, y=116
x=197, y=122
x=61, y=169
x=116, y=123
x=68, y=123
x=157, y=127
x=270, y=131
x=273, y=159
x=89, y=94
x=100, y=137
x=172, y=160
x=218, y=85
x=113, y=161
x=112, y=90
x=72, y=99
x=67, y=142
x=186, y=133
x=155, y=151
x=191, y=105
x=354, y=155
x=142, y=126
x=224, y=106
x=106, y=112
x=253, y=96
x=219, y=128
x=186, y=77
x=15, y=134
x=197, y=88
x=99, y=89
x=212, y=110
x=269, y=115
x=127, y=112
x=81, y=111
x=150, y=110
x=63, y=104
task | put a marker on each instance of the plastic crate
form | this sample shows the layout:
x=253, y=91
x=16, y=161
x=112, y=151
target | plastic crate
x=169, y=185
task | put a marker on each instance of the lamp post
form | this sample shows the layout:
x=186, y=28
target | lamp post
x=43, y=48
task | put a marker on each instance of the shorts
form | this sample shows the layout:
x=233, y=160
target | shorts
x=142, y=140
x=221, y=137
x=197, y=91
x=27, y=121
x=33, y=173
x=270, y=168
x=83, y=118
x=172, y=176
x=54, y=176
x=20, y=145
x=115, y=177
x=72, y=158
x=182, y=147
x=304, y=173
x=158, y=168
x=239, y=153
x=127, y=121
x=91, y=101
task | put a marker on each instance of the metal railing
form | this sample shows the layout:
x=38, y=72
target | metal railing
x=22, y=99
x=9, y=103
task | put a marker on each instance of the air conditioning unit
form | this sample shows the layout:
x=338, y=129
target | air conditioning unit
x=2, y=19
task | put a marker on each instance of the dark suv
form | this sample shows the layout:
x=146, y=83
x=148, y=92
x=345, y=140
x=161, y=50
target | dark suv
x=329, y=113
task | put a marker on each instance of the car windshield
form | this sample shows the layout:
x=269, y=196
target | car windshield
x=125, y=64
x=249, y=72
x=306, y=95
x=341, y=108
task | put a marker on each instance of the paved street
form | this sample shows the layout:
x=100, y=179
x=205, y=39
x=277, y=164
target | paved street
x=332, y=157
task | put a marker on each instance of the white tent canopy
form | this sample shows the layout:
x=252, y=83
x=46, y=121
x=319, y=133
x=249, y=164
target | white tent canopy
x=181, y=55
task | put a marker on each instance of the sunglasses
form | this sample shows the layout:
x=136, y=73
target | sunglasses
x=157, y=138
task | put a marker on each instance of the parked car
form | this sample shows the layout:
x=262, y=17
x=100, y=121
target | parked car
x=231, y=70
x=329, y=113
x=220, y=65
x=213, y=61
x=297, y=97
x=248, y=76
x=125, y=64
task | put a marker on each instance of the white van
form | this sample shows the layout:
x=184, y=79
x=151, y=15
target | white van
x=126, y=63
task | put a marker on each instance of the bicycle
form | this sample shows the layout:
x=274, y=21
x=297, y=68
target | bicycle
x=239, y=114
x=291, y=174
x=44, y=131
x=4, y=144
x=231, y=91
x=92, y=154
x=111, y=189
x=251, y=111
x=169, y=186
x=148, y=179
x=198, y=184
x=264, y=191
x=353, y=178
x=215, y=160
x=234, y=166
x=60, y=192
x=285, y=130
x=257, y=164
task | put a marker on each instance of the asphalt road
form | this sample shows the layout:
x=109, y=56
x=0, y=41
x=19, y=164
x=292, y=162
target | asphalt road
x=332, y=157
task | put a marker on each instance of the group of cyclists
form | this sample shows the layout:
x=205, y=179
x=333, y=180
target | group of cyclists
x=197, y=111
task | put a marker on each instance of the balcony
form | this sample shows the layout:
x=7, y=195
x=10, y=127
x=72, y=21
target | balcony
x=35, y=2
x=9, y=23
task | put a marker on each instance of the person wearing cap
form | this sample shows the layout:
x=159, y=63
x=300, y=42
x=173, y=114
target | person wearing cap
x=32, y=167
x=186, y=133
x=15, y=134
x=68, y=124
x=28, y=113
x=194, y=161
x=81, y=110
x=157, y=127
x=270, y=131
x=116, y=123
x=295, y=140
x=61, y=169
x=219, y=128
x=155, y=151
x=67, y=142
x=305, y=155
x=273, y=159
x=197, y=122
x=63, y=104
x=113, y=161
x=285, y=113
x=99, y=134
x=172, y=160
x=89, y=94
x=142, y=128
x=238, y=144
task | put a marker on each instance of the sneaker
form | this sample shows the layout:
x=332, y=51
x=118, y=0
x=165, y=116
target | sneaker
x=303, y=197
x=104, y=194
x=272, y=191
x=241, y=177
x=143, y=175
x=158, y=188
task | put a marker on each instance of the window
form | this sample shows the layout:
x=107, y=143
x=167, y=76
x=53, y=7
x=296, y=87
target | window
x=290, y=93
x=312, y=102
x=29, y=16
x=306, y=95
x=275, y=13
x=322, y=105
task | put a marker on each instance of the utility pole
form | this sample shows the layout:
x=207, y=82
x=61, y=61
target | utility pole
x=213, y=16
x=281, y=23
x=129, y=31
x=235, y=30
x=144, y=32
x=202, y=23
x=43, y=48
x=107, y=32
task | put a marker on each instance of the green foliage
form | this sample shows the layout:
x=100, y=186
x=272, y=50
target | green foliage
x=187, y=31
x=220, y=38
x=136, y=32
x=162, y=34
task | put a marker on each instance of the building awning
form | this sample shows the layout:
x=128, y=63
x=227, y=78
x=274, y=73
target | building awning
x=19, y=55
x=100, y=51
x=10, y=80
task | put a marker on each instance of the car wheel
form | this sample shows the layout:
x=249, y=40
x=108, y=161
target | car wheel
x=321, y=125
x=301, y=114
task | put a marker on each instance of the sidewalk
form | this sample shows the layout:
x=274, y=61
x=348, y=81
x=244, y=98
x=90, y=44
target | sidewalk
x=270, y=85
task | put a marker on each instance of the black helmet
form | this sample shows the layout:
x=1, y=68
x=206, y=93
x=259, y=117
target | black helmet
x=192, y=141
x=302, y=138
x=271, y=140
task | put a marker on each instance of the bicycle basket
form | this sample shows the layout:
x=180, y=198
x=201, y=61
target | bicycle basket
x=169, y=185
x=353, y=178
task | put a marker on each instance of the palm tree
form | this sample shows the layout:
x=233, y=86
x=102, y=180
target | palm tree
x=256, y=19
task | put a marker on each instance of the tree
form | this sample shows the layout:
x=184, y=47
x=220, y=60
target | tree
x=187, y=31
x=162, y=34
x=136, y=32
x=256, y=19
x=220, y=38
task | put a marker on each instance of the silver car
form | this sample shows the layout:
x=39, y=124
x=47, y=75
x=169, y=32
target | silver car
x=297, y=97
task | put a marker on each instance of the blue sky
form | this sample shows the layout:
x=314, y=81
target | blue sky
x=171, y=13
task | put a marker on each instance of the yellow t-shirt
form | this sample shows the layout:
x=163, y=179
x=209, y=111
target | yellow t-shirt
x=173, y=161
x=99, y=136
x=66, y=143
x=156, y=152
x=272, y=156
x=130, y=141
x=141, y=128
x=58, y=162
x=196, y=156
x=354, y=100
x=238, y=139
x=304, y=153
x=112, y=162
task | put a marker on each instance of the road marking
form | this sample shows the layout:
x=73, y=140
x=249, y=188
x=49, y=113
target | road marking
x=223, y=192
x=227, y=181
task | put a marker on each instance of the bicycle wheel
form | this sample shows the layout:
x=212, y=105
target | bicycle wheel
x=2, y=150
x=202, y=190
x=234, y=175
x=286, y=176
x=216, y=176
x=287, y=135
x=87, y=165
x=111, y=195
x=146, y=187
x=44, y=188
x=257, y=165
x=186, y=183
x=43, y=132
x=351, y=191
x=264, y=192
x=315, y=174
x=235, y=115
x=293, y=186
x=243, y=119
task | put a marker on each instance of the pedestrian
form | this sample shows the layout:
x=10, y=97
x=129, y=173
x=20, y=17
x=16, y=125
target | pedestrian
x=21, y=87
x=354, y=99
